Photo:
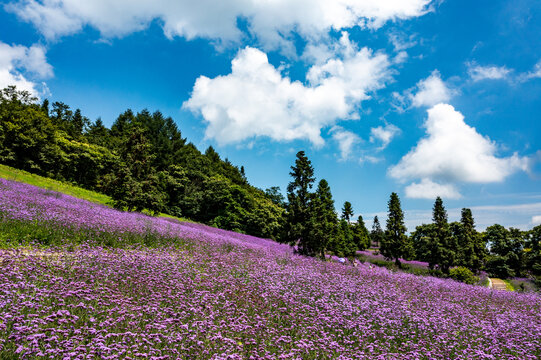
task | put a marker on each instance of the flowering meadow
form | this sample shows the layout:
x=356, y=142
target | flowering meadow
x=122, y=285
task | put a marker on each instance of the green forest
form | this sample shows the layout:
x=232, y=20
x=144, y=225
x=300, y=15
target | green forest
x=143, y=163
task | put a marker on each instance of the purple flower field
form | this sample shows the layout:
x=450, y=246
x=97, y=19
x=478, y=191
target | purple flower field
x=224, y=295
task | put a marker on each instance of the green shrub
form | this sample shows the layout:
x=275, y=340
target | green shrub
x=463, y=274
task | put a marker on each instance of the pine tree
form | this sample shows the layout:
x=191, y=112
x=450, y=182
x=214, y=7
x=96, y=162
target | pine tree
x=395, y=243
x=441, y=247
x=347, y=211
x=324, y=220
x=361, y=237
x=298, y=208
x=377, y=233
x=79, y=123
x=469, y=254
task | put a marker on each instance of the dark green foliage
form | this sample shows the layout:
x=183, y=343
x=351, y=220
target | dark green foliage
x=497, y=266
x=421, y=240
x=376, y=235
x=361, y=237
x=274, y=194
x=98, y=134
x=507, y=257
x=344, y=244
x=395, y=244
x=27, y=135
x=533, y=251
x=298, y=208
x=441, y=246
x=463, y=274
x=135, y=184
x=347, y=211
x=471, y=245
x=324, y=227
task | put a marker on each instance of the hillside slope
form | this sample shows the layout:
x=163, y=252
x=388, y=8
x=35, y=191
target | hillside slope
x=201, y=292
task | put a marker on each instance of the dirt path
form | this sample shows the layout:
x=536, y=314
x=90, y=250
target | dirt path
x=498, y=284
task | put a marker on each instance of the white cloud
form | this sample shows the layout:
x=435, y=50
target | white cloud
x=384, y=134
x=256, y=100
x=454, y=151
x=427, y=189
x=370, y=159
x=535, y=73
x=431, y=91
x=478, y=72
x=346, y=141
x=401, y=41
x=272, y=22
x=536, y=220
x=18, y=64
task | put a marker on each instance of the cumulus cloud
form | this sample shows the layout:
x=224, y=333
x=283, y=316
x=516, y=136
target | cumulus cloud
x=346, y=141
x=478, y=72
x=453, y=152
x=431, y=91
x=272, y=22
x=427, y=189
x=384, y=134
x=256, y=100
x=20, y=66
x=536, y=220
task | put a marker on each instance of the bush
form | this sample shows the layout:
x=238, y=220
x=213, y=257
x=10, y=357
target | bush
x=463, y=274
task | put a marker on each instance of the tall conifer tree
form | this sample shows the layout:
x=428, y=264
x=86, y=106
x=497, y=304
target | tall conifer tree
x=442, y=249
x=470, y=254
x=377, y=233
x=324, y=220
x=298, y=208
x=395, y=243
x=361, y=237
x=347, y=211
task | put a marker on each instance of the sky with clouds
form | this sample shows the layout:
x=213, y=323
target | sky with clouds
x=424, y=98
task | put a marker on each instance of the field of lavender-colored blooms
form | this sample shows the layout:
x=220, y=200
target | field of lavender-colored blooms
x=123, y=285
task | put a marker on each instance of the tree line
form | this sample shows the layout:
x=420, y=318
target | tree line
x=499, y=251
x=313, y=226
x=311, y=222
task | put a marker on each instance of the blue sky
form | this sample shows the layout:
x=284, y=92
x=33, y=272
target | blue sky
x=420, y=97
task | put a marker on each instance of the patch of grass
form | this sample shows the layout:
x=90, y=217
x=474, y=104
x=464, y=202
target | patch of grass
x=182, y=219
x=485, y=282
x=10, y=173
x=508, y=285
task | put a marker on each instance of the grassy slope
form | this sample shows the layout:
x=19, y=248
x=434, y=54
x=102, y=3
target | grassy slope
x=10, y=173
